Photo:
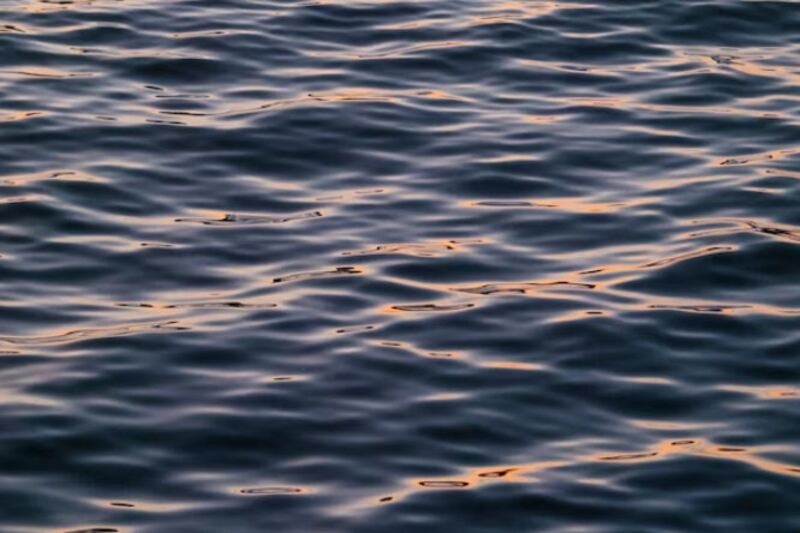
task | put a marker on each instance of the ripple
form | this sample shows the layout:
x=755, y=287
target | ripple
x=201, y=305
x=61, y=175
x=301, y=276
x=231, y=219
x=789, y=234
x=79, y=335
x=417, y=250
x=384, y=265
x=522, y=288
x=443, y=484
x=430, y=308
x=272, y=491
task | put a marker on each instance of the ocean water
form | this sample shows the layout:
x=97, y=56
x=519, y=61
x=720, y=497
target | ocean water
x=397, y=266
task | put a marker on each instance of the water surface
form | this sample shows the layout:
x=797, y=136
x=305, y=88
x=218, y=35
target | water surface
x=393, y=266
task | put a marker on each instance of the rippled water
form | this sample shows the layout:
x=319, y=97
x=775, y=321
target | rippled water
x=394, y=266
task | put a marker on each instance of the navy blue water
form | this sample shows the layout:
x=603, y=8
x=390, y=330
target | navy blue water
x=399, y=266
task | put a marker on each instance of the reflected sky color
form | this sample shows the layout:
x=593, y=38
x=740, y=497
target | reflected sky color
x=376, y=265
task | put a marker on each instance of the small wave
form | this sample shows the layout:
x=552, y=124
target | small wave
x=522, y=288
x=271, y=491
x=431, y=308
x=231, y=219
x=79, y=335
x=301, y=276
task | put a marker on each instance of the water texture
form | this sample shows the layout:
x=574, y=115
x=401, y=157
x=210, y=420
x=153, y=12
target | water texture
x=399, y=266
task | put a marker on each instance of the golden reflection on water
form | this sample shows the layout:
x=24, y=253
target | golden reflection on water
x=401, y=309
x=513, y=365
x=647, y=380
x=467, y=480
x=44, y=72
x=413, y=24
x=60, y=175
x=541, y=119
x=143, y=52
x=512, y=11
x=273, y=490
x=733, y=226
x=450, y=354
x=425, y=249
x=444, y=397
x=67, y=336
x=143, y=506
x=521, y=288
x=338, y=96
x=48, y=6
x=577, y=315
x=610, y=272
x=660, y=425
x=703, y=448
x=782, y=172
x=570, y=205
x=474, y=478
x=365, y=55
x=738, y=63
x=23, y=199
x=763, y=157
x=17, y=398
x=21, y=115
x=461, y=356
x=349, y=196
x=765, y=392
x=602, y=280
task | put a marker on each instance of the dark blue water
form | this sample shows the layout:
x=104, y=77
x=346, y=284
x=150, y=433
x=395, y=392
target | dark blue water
x=399, y=266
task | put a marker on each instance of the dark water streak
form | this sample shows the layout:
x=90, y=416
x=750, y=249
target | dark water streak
x=394, y=266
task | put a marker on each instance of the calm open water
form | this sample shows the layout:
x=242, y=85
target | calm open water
x=399, y=266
